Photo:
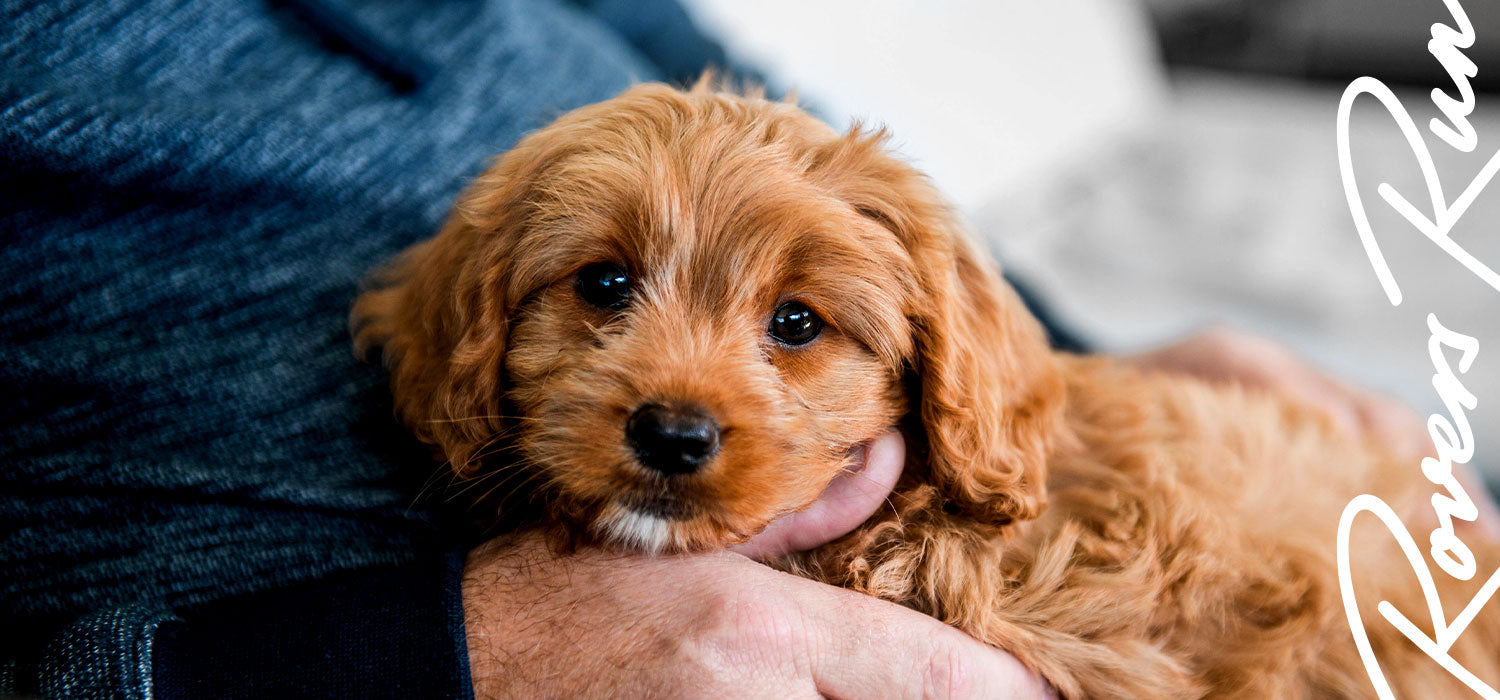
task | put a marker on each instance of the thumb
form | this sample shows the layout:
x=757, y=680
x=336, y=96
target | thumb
x=850, y=499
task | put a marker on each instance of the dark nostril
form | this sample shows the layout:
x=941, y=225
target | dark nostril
x=672, y=440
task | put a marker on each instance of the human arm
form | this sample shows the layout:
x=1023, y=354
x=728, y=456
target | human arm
x=591, y=622
x=713, y=625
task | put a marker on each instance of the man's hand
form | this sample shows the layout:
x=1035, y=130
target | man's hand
x=595, y=624
x=714, y=625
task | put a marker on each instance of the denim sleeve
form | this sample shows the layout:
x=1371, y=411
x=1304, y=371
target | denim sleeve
x=107, y=654
x=372, y=633
x=664, y=33
x=378, y=633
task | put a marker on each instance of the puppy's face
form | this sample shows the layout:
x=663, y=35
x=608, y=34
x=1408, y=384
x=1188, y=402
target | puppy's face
x=698, y=345
x=677, y=315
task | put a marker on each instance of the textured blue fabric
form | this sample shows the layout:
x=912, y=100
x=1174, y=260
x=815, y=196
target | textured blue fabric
x=91, y=665
x=345, y=636
x=190, y=191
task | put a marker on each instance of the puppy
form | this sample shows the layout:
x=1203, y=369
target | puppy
x=669, y=318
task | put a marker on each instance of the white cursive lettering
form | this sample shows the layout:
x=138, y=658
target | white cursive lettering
x=1454, y=439
x=1444, y=46
x=1452, y=435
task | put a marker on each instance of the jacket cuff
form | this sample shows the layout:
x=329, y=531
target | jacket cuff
x=107, y=654
x=387, y=632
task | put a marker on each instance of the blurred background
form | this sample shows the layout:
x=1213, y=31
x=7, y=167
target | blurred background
x=1155, y=167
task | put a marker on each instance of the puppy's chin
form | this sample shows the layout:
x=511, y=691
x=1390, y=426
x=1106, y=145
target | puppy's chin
x=663, y=524
x=649, y=530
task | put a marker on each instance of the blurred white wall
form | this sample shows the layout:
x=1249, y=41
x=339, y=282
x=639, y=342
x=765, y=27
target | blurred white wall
x=983, y=96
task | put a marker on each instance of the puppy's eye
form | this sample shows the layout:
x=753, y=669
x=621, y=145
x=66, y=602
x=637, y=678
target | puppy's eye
x=604, y=285
x=795, y=324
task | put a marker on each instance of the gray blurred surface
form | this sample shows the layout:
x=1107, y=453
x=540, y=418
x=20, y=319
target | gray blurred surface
x=1333, y=40
x=1232, y=211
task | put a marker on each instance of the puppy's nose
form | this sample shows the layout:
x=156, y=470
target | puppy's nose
x=672, y=440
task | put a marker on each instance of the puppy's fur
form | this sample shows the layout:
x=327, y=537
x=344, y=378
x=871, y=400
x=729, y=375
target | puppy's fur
x=1126, y=535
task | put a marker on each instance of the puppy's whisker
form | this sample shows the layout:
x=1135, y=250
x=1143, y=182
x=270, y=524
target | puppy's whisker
x=489, y=485
x=472, y=481
x=493, y=447
x=531, y=475
x=519, y=463
x=859, y=474
x=502, y=475
x=489, y=417
x=429, y=485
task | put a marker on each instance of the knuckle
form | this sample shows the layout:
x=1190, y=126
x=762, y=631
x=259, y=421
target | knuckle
x=949, y=671
x=747, y=631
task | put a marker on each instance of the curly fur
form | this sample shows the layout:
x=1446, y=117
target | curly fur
x=1126, y=535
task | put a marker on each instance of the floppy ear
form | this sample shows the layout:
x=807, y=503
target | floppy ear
x=991, y=395
x=438, y=314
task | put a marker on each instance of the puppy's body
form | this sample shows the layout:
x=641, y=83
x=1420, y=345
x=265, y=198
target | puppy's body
x=603, y=336
x=1187, y=551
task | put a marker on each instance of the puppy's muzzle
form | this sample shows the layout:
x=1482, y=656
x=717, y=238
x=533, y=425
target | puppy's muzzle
x=672, y=440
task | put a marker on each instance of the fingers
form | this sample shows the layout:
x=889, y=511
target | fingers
x=588, y=623
x=899, y=653
x=849, y=500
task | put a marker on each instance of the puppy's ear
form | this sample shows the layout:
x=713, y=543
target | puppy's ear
x=439, y=315
x=991, y=394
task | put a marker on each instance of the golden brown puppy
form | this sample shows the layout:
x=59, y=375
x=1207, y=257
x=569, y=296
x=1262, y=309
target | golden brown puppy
x=669, y=318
